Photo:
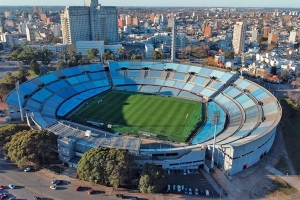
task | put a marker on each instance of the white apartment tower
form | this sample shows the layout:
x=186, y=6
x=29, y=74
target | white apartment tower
x=238, y=40
x=87, y=23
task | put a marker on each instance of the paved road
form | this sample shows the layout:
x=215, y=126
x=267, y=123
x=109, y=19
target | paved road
x=4, y=68
x=29, y=184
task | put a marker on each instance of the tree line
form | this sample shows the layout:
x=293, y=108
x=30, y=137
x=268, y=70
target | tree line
x=105, y=166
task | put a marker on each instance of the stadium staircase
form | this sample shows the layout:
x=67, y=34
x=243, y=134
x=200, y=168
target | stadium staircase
x=109, y=78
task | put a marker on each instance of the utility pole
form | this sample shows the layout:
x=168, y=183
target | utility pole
x=215, y=121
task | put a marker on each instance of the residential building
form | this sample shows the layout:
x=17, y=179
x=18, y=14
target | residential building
x=121, y=22
x=238, y=40
x=136, y=21
x=83, y=46
x=8, y=14
x=266, y=31
x=152, y=16
x=56, y=48
x=219, y=58
x=272, y=38
x=292, y=38
x=254, y=35
x=87, y=23
x=207, y=31
x=22, y=28
x=128, y=20
x=30, y=33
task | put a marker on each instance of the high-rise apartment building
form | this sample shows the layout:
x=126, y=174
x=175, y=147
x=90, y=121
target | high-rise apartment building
x=293, y=35
x=207, y=31
x=266, y=31
x=136, y=21
x=152, y=16
x=128, y=20
x=238, y=40
x=121, y=22
x=272, y=38
x=254, y=35
x=86, y=23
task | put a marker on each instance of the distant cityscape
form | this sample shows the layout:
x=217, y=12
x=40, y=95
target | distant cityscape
x=266, y=37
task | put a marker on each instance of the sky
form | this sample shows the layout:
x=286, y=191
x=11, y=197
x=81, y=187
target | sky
x=165, y=3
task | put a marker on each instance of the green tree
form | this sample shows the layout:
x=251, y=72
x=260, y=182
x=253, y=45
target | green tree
x=136, y=56
x=97, y=37
x=32, y=146
x=56, y=40
x=10, y=80
x=289, y=28
x=45, y=56
x=105, y=40
x=153, y=179
x=105, y=166
x=23, y=73
x=229, y=54
x=61, y=64
x=259, y=39
x=92, y=53
x=157, y=54
x=13, y=47
x=8, y=131
x=35, y=67
x=108, y=55
x=121, y=52
x=285, y=75
x=273, y=70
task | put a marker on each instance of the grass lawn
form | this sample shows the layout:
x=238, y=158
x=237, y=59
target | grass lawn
x=290, y=123
x=283, y=186
x=129, y=112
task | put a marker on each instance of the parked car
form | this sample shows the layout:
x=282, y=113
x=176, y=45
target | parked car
x=184, y=172
x=56, y=182
x=186, y=191
x=182, y=187
x=27, y=169
x=207, y=192
x=3, y=196
x=11, y=186
x=120, y=195
x=196, y=191
x=53, y=187
x=36, y=198
x=5, y=158
x=90, y=191
x=1, y=187
x=77, y=188
x=190, y=191
x=178, y=188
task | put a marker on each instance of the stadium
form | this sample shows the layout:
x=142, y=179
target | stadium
x=163, y=113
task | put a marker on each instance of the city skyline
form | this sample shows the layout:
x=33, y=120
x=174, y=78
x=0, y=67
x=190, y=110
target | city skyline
x=156, y=3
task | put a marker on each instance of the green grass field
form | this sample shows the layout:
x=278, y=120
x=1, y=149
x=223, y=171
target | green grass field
x=129, y=112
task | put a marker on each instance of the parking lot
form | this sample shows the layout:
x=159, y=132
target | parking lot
x=186, y=182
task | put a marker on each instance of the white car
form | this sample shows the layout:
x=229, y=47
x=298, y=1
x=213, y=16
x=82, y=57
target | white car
x=53, y=187
x=190, y=191
x=178, y=188
x=184, y=172
x=27, y=169
x=207, y=192
x=196, y=191
x=11, y=186
x=5, y=158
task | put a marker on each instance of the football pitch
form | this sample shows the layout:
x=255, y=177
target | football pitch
x=168, y=118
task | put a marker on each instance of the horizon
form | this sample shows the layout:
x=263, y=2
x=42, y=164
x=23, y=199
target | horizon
x=166, y=3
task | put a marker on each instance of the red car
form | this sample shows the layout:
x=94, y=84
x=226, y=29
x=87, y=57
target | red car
x=90, y=191
x=1, y=187
x=77, y=188
x=3, y=196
